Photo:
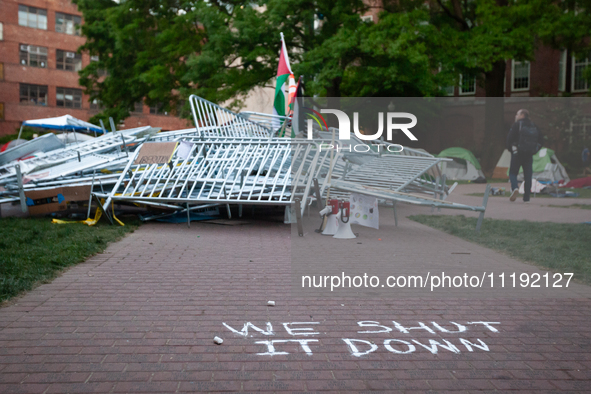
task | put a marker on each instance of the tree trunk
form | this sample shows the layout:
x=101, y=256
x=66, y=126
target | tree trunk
x=333, y=100
x=495, y=131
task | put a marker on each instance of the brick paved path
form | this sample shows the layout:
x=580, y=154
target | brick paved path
x=141, y=318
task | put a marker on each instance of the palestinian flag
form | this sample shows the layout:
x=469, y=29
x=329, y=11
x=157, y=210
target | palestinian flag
x=284, y=74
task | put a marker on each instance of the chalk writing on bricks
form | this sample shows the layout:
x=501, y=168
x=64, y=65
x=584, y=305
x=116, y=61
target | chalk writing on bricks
x=399, y=338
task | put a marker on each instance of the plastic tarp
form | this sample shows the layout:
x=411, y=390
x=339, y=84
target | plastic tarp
x=66, y=122
x=460, y=153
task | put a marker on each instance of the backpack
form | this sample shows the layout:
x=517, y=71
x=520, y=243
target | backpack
x=528, y=139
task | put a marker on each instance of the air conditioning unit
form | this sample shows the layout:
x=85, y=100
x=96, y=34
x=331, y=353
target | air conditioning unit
x=70, y=55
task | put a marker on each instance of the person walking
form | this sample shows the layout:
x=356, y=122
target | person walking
x=523, y=141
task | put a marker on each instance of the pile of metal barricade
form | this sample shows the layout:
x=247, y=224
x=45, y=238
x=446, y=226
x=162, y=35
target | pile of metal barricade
x=228, y=159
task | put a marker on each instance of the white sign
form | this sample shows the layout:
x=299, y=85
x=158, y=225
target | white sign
x=364, y=211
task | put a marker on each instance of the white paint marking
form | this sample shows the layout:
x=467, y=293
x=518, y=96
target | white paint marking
x=292, y=331
x=487, y=324
x=469, y=344
x=411, y=347
x=355, y=350
x=271, y=346
x=244, y=331
x=368, y=323
x=433, y=346
x=460, y=327
x=405, y=330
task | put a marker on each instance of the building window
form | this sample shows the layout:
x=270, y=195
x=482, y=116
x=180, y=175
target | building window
x=520, y=74
x=367, y=18
x=138, y=107
x=66, y=23
x=1, y=71
x=562, y=72
x=96, y=105
x=1, y=31
x=33, y=56
x=69, y=61
x=69, y=98
x=32, y=17
x=1, y=111
x=467, y=84
x=157, y=110
x=101, y=72
x=33, y=94
x=449, y=90
x=579, y=82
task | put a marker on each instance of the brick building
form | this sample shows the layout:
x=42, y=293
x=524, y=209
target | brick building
x=39, y=64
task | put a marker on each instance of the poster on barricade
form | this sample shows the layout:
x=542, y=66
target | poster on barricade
x=364, y=211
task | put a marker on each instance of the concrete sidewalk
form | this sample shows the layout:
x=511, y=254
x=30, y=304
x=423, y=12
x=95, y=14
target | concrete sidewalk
x=141, y=317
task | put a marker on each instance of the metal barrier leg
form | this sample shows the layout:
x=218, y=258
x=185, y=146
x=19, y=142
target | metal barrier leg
x=239, y=210
x=395, y=214
x=318, y=195
x=188, y=217
x=299, y=218
x=21, y=190
x=442, y=189
x=484, y=203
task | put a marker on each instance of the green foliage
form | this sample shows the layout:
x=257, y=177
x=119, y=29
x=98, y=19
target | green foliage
x=559, y=247
x=143, y=45
x=164, y=50
x=35, y=250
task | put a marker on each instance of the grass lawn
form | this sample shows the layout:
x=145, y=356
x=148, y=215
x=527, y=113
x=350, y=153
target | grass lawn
x=560, y=247
x=583, y=193
x=578, y=206
x=33, y=250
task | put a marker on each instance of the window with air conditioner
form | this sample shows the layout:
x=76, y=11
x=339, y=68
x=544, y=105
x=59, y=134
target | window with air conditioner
x=33, y=56
x=69, y=61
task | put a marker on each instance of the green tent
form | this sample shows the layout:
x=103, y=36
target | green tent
x=460, y=153
x=543, y=157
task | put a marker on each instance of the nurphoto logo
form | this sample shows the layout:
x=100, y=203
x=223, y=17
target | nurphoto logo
x=345, y=124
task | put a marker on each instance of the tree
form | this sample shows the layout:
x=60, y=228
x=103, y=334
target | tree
x=142, y=44
x=165, y=50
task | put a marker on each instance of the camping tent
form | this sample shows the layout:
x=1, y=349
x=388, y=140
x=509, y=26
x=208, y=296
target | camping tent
x=546, y=167
x=64, y=123
x=463, y=167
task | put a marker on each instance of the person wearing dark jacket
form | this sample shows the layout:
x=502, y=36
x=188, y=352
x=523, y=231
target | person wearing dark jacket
x=523, y=141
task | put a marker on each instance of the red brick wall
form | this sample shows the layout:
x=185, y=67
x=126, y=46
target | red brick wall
x=14, y=73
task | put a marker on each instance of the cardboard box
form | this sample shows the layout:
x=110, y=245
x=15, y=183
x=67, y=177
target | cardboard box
x=155, y=153
x=41, y=202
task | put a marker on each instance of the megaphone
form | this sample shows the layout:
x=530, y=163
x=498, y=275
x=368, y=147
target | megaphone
x=331, y=212
x=344, y=230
